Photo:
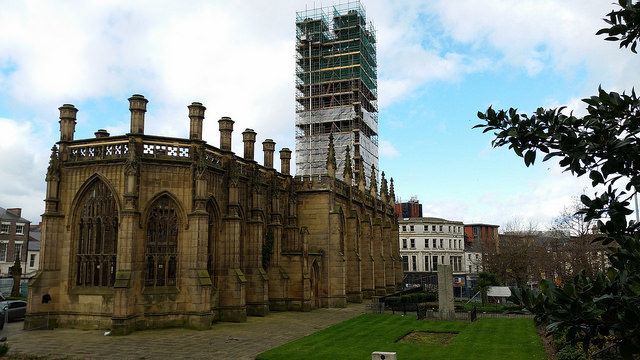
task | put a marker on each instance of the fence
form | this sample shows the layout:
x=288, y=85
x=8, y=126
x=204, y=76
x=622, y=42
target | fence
x=423, y=312
x=7, y=284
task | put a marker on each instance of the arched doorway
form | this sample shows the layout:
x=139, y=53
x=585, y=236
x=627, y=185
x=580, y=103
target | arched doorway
x=315, y=284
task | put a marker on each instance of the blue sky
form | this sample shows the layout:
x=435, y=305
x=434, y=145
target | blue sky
x=439, y=62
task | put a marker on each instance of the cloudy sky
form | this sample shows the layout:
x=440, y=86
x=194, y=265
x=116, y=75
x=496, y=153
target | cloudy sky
x=439, y=62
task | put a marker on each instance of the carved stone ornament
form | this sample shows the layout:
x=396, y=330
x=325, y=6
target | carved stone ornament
x=132, y=165
x=233, y=172
x=53, y=171
x=201, y=162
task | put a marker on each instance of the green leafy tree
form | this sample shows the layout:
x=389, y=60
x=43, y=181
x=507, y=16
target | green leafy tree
x=601, y=311
x=485, y=280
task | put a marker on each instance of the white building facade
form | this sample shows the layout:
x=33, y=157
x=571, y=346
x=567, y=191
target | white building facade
x=428, y=242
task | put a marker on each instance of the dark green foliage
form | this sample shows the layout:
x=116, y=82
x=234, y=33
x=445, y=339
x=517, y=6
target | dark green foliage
x=486, y=279
x=625, y=24
x=602, y=310
x=4, y=348
x=267, y=249
x=415, y=298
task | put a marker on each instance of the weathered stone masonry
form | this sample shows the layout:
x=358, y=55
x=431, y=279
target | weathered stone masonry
x=143, y=231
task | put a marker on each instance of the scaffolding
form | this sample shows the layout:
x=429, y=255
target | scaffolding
x=336, y=88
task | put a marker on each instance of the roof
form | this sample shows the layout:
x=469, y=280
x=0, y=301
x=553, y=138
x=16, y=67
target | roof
x=35, y=235
x=429, y=220
x=5, y=215
x=34, y=246
x=481, y=224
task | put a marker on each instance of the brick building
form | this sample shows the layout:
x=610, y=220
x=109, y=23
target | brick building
x=485, y=234
x=409, y=209
x=14, y=239
x=143, y=231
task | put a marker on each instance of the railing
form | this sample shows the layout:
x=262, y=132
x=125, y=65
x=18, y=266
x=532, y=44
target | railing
x=98, y=151
x=164, y=150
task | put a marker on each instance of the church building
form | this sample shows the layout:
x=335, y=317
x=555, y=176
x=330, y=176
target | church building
x=144, y=231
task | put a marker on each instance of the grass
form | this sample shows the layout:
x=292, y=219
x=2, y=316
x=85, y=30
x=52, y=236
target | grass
x=359, y=337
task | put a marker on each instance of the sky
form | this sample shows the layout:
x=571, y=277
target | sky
x=439, y=63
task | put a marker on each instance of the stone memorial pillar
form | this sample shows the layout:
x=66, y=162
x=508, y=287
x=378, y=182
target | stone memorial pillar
x=445, y=293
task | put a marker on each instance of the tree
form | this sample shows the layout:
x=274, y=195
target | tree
x=16, y=273
x=603, y=310
x=485, y=280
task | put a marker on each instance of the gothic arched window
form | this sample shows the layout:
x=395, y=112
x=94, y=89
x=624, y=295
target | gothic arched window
x=161, y=250
x=97, y=234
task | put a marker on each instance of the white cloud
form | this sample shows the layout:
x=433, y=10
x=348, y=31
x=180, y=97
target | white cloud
x=540, y=203
x=538, y=34
x=387, y=150
x=24, y=161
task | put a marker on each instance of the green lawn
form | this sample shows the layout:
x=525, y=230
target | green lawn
x=359, y=337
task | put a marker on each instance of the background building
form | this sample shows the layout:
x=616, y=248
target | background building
x=486, y=234
x=409, y=209
x=14, y=239
x=336, y=88
x=33, y=251
x=428, y=242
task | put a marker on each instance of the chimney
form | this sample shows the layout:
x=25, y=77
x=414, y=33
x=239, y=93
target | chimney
x=269, y=147
x=67, y=122
x=16, y=211
x=249, y=140
x=285, y=161
x=196, y=115
x=225, y=125
x=137, y=106
x=101, y=133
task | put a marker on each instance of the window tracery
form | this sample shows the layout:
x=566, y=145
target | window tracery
x=161, y=249
x=97, y=235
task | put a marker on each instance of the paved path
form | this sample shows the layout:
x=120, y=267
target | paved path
x=223, y=341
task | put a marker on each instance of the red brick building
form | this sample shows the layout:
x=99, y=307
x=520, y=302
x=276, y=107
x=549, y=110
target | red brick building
x=410, y=209
x=485, y=233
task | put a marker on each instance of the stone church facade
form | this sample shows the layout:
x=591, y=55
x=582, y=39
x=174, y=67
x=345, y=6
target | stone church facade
x=143, y=231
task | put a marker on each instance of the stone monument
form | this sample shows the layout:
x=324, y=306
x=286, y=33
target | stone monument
x=445, y=293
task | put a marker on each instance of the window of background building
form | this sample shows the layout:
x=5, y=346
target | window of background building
x=18, y=252
x=20, y=229
x=32, y=260
x=3, y=252
x=413, y=243
x=414, y=266
x=434, y=243
x=469, y=268
x=433, y=228
x=442, y=259
x=4, y=229
x=449, y=228
x=426, y=263
x=440, y=227
x=404, y=243
x=404, y=227
x=441, y=244
x=449, y=243
x=426, y=228
x=405, y=263
x=434, y=263
x=426, y=243
x=410, y=227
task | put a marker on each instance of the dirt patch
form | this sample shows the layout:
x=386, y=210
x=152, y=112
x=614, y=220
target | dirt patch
x=547, y=343
x=427, y=337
